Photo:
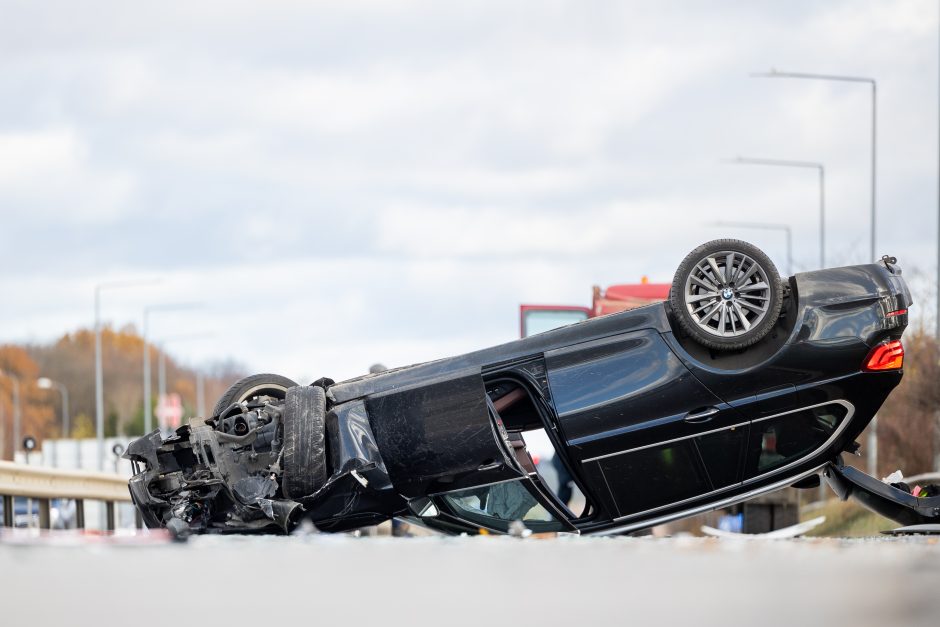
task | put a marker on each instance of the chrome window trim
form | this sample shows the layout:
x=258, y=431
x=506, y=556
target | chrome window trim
x=846, y=404
x=850, y=411
x=664, y=442
x=705, y=507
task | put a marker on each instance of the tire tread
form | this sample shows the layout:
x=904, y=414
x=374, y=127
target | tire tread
x=304, y=458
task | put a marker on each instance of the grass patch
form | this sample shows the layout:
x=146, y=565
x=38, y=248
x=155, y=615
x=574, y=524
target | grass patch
x=846, y=519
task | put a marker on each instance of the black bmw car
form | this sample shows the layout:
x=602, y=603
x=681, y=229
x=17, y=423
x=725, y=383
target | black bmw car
x=740, y=384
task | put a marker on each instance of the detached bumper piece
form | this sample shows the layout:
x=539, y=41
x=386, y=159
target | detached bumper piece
x=881, y=498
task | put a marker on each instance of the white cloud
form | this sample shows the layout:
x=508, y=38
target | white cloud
x=49, y=174
x=356, y=182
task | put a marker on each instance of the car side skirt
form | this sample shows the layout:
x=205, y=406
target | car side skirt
x=706, y=507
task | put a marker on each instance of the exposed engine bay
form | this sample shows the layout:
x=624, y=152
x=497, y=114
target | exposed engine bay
x=220, y=473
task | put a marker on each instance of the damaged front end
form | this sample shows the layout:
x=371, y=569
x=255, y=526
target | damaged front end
x=225, y=474
x=220, y=474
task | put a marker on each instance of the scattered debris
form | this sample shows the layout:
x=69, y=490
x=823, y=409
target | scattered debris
x=792, y=531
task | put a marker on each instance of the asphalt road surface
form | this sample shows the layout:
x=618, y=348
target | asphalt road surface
x=322, y=580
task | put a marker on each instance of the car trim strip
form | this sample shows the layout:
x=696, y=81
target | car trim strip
x=845, y=404
x=706, y=507
x=842, y=425
x=664, y=442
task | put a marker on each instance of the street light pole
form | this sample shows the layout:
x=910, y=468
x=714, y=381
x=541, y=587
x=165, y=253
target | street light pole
x=99, y=375
x=161, y=368
x=148, y=410
x=936, y=462
x=822, y=191
x=874, y=128
x=148, y=395
x=200, y=394
x=161, y=374
x=45, y=383
x=775, y=227
x=17, y=413
x=99, y=381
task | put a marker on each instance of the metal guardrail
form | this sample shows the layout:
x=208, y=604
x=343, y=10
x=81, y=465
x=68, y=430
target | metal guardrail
x=43, y=484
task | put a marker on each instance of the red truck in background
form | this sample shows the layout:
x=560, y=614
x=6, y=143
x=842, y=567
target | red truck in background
x=538, y=318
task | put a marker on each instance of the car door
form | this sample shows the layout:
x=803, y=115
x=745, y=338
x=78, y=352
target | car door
x=644, y=432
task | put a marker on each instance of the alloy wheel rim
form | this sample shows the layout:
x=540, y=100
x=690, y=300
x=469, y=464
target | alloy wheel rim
x=727, y=294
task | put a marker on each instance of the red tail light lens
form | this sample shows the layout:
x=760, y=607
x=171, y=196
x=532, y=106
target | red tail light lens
x=886, y=356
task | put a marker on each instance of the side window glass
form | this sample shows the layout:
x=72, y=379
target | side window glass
x=776, y=442
x=722, y=453
x=540, y=320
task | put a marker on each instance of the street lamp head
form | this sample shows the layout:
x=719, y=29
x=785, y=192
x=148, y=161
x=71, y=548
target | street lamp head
x=44, y=383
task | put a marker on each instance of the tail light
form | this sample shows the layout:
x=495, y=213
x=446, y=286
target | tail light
x=885, y=356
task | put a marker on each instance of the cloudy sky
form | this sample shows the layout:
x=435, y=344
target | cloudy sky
x=348, y=182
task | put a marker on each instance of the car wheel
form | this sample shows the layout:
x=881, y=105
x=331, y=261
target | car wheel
x=273, y=385
x=304, y=452
x=726, y=294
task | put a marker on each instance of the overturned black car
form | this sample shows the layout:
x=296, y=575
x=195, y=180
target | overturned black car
x=740, y=384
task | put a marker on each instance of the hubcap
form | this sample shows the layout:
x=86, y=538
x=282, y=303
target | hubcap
x=727, y=293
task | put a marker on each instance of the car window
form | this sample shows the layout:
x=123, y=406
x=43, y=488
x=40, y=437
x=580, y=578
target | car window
x=775, y=442
x=654, y=477
x=554, y=475
x=541, y=320
x=499, y=504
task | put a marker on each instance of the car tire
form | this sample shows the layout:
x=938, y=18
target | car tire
x=304, y=452
x=724, y=309
x=273, y=385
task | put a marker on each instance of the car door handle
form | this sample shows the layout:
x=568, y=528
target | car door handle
x=702, y=415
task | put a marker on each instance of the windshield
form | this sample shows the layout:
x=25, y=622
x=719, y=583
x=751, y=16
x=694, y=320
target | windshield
x=497, y=505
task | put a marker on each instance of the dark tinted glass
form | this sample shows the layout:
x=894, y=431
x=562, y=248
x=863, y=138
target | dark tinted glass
x=654, y=477
x=776, y=442
x=722, y=453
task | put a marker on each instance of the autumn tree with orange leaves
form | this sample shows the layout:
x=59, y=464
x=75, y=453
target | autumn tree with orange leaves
x=70, y=361
x=37, y=415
